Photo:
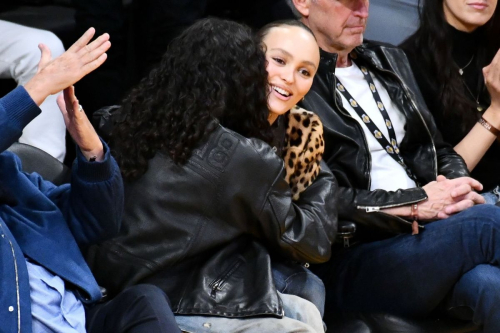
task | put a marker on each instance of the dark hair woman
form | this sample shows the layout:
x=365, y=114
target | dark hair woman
x=455, y=41
x=207, y=204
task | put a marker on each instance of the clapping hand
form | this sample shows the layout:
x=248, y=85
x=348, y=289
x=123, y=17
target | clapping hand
x=79, y=126
x=81, y=58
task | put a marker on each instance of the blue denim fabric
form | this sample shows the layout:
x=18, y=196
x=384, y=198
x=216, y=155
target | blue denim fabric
x=301, y=316
x=303, y=297
x=411, y=275
x=295, y=279
x=492, y=197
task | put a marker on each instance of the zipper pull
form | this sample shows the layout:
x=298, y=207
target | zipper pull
x=215, y=288
x=372, y=209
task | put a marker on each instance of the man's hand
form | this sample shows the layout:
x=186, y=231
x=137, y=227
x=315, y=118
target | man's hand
x=79, y=126
x=449, y=196
x=57, y=74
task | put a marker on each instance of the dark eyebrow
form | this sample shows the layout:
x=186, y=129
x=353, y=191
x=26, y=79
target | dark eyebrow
x=290, y=56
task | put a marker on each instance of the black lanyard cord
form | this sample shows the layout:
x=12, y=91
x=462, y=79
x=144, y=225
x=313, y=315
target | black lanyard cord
x=391, y=145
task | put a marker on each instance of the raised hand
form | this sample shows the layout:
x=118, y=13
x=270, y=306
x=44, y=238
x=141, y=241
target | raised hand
x=79, y=126
x=79, y=60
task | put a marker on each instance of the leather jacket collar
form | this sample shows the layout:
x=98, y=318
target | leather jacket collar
x=347, y=153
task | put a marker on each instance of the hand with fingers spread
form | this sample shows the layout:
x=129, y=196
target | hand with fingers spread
x=57, y=74
x=79, y=126
x=449, y=196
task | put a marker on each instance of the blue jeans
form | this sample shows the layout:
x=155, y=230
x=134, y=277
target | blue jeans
x=452, y=262
x=492, y=197
x=295, y=279
x=303, y=297
x=301, y=316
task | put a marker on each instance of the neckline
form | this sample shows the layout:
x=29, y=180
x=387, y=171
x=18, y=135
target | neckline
x=464, y=45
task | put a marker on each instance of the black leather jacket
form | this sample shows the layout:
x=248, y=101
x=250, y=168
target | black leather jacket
x=346, y=149
x=204, y=231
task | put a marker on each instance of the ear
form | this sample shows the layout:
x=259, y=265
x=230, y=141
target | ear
x=302, y=7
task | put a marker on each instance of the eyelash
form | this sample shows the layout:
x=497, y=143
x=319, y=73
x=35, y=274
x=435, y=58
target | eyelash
x=279, y=61
x=301, y=71
x=305, y=72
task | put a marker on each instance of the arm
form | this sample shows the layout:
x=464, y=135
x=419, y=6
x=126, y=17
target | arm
x=305, y=229
x=436, y=200
x=444, y=198
x=17, y=109
x=20, y=106
x=449, y=163
x=475, y=144
x=93, y=204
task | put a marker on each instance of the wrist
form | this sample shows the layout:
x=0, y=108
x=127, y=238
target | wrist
x=37, y=90
x=492, y=116
x=94, y=155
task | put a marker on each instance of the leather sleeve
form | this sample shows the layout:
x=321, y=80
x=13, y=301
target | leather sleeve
x=363, y=207
x=306, y=228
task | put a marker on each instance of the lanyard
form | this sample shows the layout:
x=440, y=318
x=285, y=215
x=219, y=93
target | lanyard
x=391, y=145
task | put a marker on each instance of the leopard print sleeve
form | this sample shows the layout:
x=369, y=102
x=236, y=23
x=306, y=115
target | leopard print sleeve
x=304, y=147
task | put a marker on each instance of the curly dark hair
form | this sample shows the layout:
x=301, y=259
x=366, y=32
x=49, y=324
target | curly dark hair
x=214, y=72
x=432, y=44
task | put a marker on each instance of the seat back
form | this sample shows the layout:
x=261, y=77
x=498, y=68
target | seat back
x=36, y=160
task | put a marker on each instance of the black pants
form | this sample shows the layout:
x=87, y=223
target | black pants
x=138, y=309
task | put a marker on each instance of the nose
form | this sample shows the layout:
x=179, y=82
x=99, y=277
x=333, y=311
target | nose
x=287, y=75
x=361, y=9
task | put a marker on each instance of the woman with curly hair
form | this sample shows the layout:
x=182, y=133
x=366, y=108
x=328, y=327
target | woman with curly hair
x=456, y=61
x=209, y=216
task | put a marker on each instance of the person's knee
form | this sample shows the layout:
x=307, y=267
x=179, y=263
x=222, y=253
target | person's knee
x=53, y=43
x=475, y=289
x=38, y=36
x=145, y=295
x=25, y=55
x=481, y=279
x=482, y=214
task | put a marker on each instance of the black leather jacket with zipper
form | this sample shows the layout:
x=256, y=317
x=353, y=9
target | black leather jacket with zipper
x=346, y=149
x=205, y=231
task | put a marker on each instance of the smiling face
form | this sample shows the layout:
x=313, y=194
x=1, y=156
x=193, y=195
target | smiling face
x=468, y=15
x=292, y=60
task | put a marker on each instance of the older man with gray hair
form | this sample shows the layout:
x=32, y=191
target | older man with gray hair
x=423, y=238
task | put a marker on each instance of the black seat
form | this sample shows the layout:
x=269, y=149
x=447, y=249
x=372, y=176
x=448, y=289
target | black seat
x=36, y=160
x=388, y=323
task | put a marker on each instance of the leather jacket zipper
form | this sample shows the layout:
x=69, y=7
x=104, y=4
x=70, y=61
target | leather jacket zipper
x=376, y=209
x=371, y=209
x=217, y=284
x=17, y=282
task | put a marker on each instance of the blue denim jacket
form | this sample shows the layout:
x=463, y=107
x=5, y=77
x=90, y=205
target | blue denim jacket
x=50, y=224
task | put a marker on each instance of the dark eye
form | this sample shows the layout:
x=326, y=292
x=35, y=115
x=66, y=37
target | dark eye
x=305, y=72
x=279, y=61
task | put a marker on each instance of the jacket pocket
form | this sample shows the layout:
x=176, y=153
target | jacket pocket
x=217, y=284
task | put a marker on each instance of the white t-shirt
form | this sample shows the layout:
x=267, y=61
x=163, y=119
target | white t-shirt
x=386, y=173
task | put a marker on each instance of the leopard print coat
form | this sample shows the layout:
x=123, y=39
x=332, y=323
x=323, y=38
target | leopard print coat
x=304, y=147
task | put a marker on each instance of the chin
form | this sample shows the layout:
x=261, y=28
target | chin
x=280, y=109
